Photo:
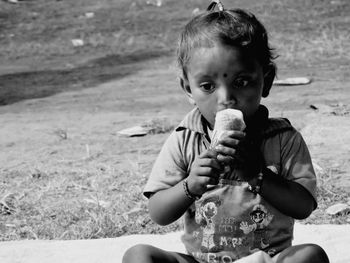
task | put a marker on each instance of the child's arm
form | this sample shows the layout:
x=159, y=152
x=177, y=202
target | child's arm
x=288, y=196
x=166, y=206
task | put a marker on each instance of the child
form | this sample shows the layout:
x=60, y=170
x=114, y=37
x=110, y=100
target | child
x=226, y=62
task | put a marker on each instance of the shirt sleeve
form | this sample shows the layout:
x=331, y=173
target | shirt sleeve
x=169, y=167
x=296, y=161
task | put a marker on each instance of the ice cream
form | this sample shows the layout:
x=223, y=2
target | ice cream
x=226, y=120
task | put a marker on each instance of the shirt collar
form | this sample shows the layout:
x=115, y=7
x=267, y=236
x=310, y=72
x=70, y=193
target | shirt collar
x=260, y=125
x=193, y=121
x=259, y=122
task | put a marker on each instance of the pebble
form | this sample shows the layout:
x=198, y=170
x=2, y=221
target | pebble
x=338, y=209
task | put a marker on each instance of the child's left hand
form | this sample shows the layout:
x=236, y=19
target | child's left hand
x=235, y=147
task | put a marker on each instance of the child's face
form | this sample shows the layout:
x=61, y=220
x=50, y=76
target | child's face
x=224, y=77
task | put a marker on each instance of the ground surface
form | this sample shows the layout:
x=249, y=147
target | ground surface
x=72, y=176
x=334, y=240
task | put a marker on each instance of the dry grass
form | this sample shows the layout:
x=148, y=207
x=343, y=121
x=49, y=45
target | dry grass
x=96, y=196
x=90, y=194
x=77, y=204
x=327, y=195
x=159, y=125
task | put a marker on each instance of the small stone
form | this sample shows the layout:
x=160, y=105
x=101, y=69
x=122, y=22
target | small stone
x=78, y=42
x=157, y=3
x=89, y=14
x=104, y=204
x=292, y=81
x=338, y=209
x=8, y=204
x=134, y=131
x=196, y=11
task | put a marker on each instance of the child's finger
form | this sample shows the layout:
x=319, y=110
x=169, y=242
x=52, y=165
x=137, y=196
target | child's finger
x=234, y=134
x=225, y=159
x=208, y=154
x=228, y=141
x=207, y=180
x=210, y=162
x=224, y=150
x=207, y=171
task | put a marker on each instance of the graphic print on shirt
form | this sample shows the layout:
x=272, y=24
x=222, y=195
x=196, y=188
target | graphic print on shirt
x=260, y=220
x=205, y=218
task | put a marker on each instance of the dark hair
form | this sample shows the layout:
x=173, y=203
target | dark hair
x=234, y=27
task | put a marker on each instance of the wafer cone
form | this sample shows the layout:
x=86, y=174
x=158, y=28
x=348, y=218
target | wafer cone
x=226, y=120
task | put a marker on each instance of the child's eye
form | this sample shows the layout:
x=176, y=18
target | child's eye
x=207, y=86
x=240, y=83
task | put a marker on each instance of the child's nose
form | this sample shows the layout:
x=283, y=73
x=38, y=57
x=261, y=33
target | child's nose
x=226, y=98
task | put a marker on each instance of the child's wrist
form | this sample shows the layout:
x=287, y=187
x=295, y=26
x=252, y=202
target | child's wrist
x=255, y=184
x=187, y=191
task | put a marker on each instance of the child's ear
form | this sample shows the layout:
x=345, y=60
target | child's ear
x=185, y=85
x=269, y=77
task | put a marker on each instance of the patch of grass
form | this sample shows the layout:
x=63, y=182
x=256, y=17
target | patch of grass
x=96, y=201
x=159, y=125
x=328, y=194
x=99, y=197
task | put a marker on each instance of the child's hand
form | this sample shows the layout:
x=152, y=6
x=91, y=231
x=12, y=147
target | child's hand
x=205, y=171
x=234, y=147
x=228, y=145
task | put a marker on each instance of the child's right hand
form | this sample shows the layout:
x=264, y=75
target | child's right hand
x=205, y=170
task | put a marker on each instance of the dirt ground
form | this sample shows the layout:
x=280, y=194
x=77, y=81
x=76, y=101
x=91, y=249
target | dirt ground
x=66, y=146
x=93, y=116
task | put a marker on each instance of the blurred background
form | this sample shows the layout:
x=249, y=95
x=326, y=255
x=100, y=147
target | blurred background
x=84, y=42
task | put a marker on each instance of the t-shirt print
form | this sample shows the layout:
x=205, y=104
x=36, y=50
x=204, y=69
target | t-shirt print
x=229, y=222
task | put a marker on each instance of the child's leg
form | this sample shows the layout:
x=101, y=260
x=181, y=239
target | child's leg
x=150, y=254
x=305, y=253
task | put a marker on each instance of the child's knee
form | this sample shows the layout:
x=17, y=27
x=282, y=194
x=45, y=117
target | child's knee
x=136, y=253
x=304, y=253
x=317, y=254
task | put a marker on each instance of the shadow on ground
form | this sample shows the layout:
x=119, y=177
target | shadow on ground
x=38, y=84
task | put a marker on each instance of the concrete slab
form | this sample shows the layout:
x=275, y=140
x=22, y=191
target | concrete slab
x=335, y=239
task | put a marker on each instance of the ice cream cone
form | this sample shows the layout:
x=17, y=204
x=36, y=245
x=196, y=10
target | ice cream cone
x=226, y=120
